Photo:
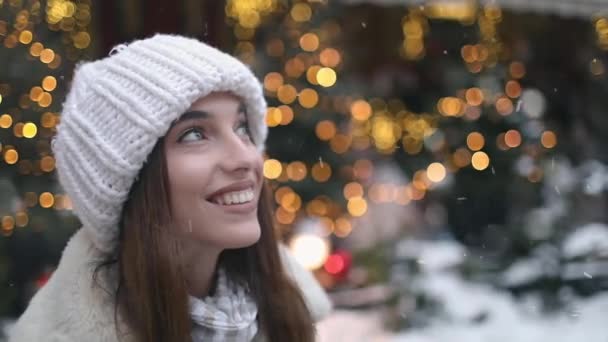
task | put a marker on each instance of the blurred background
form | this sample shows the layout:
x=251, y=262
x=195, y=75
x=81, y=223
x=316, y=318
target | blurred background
x=439, y=165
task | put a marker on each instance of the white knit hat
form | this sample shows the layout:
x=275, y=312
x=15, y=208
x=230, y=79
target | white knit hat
x=117, y=109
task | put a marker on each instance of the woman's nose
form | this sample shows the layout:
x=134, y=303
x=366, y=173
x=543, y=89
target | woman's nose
x=238, y=153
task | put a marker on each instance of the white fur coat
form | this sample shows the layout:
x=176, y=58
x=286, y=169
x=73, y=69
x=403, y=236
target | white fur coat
x=71, y=307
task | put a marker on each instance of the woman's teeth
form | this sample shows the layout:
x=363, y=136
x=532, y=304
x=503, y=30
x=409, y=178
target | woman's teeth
x=235, y=197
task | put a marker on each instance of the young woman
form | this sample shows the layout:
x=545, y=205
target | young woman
x=160, y=149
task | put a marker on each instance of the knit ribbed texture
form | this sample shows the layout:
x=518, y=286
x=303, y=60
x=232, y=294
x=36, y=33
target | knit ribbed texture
x=117, y=109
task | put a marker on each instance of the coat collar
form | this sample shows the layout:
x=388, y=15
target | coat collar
x=70, y=307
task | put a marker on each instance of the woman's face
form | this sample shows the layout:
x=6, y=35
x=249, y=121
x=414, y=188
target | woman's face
x=215, y=174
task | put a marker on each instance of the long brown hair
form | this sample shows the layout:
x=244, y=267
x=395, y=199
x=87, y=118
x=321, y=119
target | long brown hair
x=152, y=293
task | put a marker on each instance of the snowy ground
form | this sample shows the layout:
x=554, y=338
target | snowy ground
x=508, y=320
x=477, y=312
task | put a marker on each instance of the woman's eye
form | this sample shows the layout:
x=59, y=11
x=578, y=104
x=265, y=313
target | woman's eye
x=243, y=129
x=192, y=134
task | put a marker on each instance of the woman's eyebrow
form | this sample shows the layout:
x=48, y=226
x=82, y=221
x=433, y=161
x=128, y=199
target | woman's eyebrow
x=200, y=114
x=192, y=115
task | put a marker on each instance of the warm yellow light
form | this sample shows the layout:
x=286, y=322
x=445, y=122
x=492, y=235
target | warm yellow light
x=480, y=160
x=517, y=70
x=343, y=227
x=18, y=129
x=10, y=41
x=301, y=12
x=296, y=171
x=273, y=116
x=420, y=180
x=47, y=56
x=357, y=206
x=82, y=40
x=21, y=219
x=294, y=67
x=451, y=106
x=309, y=42
x=5, y=121
x=464, y=11
x=25, y=37
x=49, y=83
x=283, y=216
x=45, y=99
x=46, y=200
x=513, y=89
x=468, y=53
x=353, y=189
x=287, y=93
x=11, y=156
x=326, y=77
x=55, y=63
x=316, y=207
x=321, y=172
x=47, y=120
x=474, y=96
x=548, y=139
x=36, y=49
x=512, y=138
x=286, y=114
x=272, y=81
x=309, y=250
x=308, y=98
x=504, y=106
x=30, y=130
x=282, y=191
x=8, y=223
x=436, y=172
x=330, y=57
x=361, y=110
x=311, y=74
x=385, y=132
x=47, y=164
x=475, y=141
x=243, y=33
x=36, y=93
x=462, y=157
x=272, y=168
x=325, y=129
x=291, y=202
x=340, y=143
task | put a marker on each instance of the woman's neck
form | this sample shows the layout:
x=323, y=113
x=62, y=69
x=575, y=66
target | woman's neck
x=200, y=263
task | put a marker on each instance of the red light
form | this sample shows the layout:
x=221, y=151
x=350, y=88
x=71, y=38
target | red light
x=334, y=264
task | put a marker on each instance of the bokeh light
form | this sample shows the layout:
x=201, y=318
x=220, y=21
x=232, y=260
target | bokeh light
x=357, y=206
x=475, y=141
x=361, y=110
x=548, y=139
x=272, y=168
x=512, y=138
x=436, y=172
x=480, y=161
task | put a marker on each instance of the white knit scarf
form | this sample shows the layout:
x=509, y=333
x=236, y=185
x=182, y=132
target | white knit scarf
x=229, y=315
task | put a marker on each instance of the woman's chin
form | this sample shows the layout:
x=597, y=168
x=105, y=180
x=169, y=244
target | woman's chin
x=241, y=236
